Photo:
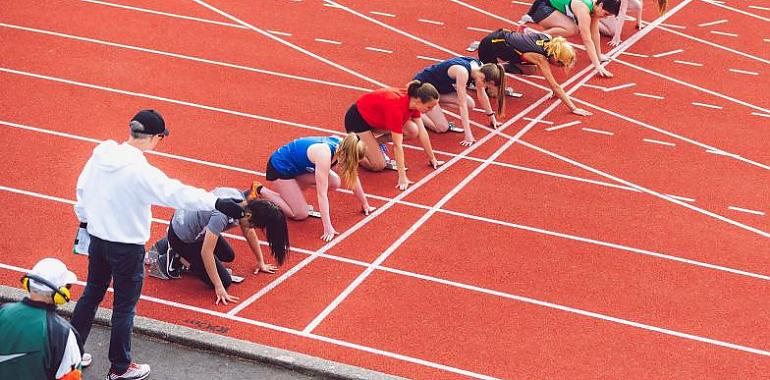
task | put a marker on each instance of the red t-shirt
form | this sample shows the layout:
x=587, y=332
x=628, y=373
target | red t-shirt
x=386, y=108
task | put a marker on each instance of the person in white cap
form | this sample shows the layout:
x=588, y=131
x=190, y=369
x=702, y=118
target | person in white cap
x=115, y=192
x=35, y=342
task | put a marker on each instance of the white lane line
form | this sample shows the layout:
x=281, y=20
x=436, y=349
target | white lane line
x=430, y=21
x=289, y=44
x=723, y=33
x=536, y=76
x=565, y=125
x=666, y=132
x=690, y=85
x=595, y=86
x=677, y=51
x=598, y=131
x=758, y=7
x=717, y=22
x=648, y=191
x=168, y=100
x=537, y=120
x=186, y=57
x=482, y=219
x=707, y=105
x=145, y=10
x=659, y=142
x=648, y=95
x=521, y=3
x=721, y=5
x=333, y=42
x=688, y=63
x=622, y=86
x=479, y=29
x=718, y=46
x=489, y=14
x=379, y=50
x=429, y=58
x=766, y=39
x=720, y=152
x=673, y=26
x=744, y=72
x=760, y=114
x=635, y=54
x=277, y=33
x=287, y=330
x=680, y=198
x=382, y=14
x=746, y=210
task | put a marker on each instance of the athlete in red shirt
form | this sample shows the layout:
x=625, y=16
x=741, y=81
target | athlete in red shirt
x=392, y=114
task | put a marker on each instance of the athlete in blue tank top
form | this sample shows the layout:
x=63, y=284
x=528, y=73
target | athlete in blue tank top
x=292, y=160
x=307, y=162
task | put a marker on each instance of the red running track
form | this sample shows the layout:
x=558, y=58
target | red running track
x=553, y=260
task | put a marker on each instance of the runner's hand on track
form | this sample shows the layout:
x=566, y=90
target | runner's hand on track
x=604, y=72
x=329, y=233
x=223, y=296
x=581, y=112
x=614, y=42
x=368, y=209
x=403, y=183
x=267, y=268
x=436, y=163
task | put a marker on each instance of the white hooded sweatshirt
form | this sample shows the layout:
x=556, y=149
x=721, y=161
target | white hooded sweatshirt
x=117, y=188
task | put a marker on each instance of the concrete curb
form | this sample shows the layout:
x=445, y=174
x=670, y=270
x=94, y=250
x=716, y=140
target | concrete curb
x=218, y=344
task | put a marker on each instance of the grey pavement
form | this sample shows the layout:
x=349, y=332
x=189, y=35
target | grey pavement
x=173, y=361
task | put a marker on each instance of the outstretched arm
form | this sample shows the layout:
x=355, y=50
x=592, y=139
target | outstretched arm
x=207, y=256
x=422, y=135
x=545, y=68
x=620, y=19
x=256, y=249
x=589, y=32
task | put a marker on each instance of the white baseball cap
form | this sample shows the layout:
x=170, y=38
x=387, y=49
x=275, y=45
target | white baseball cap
x=52, y=270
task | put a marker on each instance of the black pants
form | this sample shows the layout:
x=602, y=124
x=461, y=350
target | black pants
x=124, y=265
x=192, y=253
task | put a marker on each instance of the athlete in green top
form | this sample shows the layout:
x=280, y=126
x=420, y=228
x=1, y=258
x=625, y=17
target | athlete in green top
x=569, y=17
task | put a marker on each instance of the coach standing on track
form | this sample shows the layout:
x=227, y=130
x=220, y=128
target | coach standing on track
x=115, y=192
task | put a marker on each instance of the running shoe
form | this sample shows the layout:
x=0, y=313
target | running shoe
x=86, y=360
x=134, y=372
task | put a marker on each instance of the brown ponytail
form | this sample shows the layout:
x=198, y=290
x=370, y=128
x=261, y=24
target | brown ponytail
x=495, y=73
x=422, y=90
x=349, y=152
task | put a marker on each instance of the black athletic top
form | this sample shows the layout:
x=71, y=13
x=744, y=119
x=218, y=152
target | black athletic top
x=509, y=46
x=438, y=74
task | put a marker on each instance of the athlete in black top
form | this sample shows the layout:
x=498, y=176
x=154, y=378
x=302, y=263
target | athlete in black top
x=524, y=53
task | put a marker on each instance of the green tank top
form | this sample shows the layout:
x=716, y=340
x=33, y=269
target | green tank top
x=563, y=6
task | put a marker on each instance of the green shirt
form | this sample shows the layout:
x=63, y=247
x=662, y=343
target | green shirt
x=563, y=6
x=35, y=343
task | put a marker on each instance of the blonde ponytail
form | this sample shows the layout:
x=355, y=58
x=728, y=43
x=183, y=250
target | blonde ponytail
x=561, y=50
x=349, y=153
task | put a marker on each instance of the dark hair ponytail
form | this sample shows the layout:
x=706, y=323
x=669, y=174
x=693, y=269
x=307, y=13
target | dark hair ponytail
x=266, y=215
x=495, y=73
x=422, y=90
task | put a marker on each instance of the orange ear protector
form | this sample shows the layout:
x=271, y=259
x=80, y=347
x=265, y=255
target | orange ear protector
x=61, y=295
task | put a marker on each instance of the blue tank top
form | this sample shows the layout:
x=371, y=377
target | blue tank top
x=291, y=159
x=438, y=76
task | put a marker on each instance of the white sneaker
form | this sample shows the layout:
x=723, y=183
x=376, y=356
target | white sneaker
x=134, y=372
x=526, y=19
x=86, y=360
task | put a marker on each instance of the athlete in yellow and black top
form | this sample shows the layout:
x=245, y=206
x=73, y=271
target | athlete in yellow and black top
x=525, y=53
